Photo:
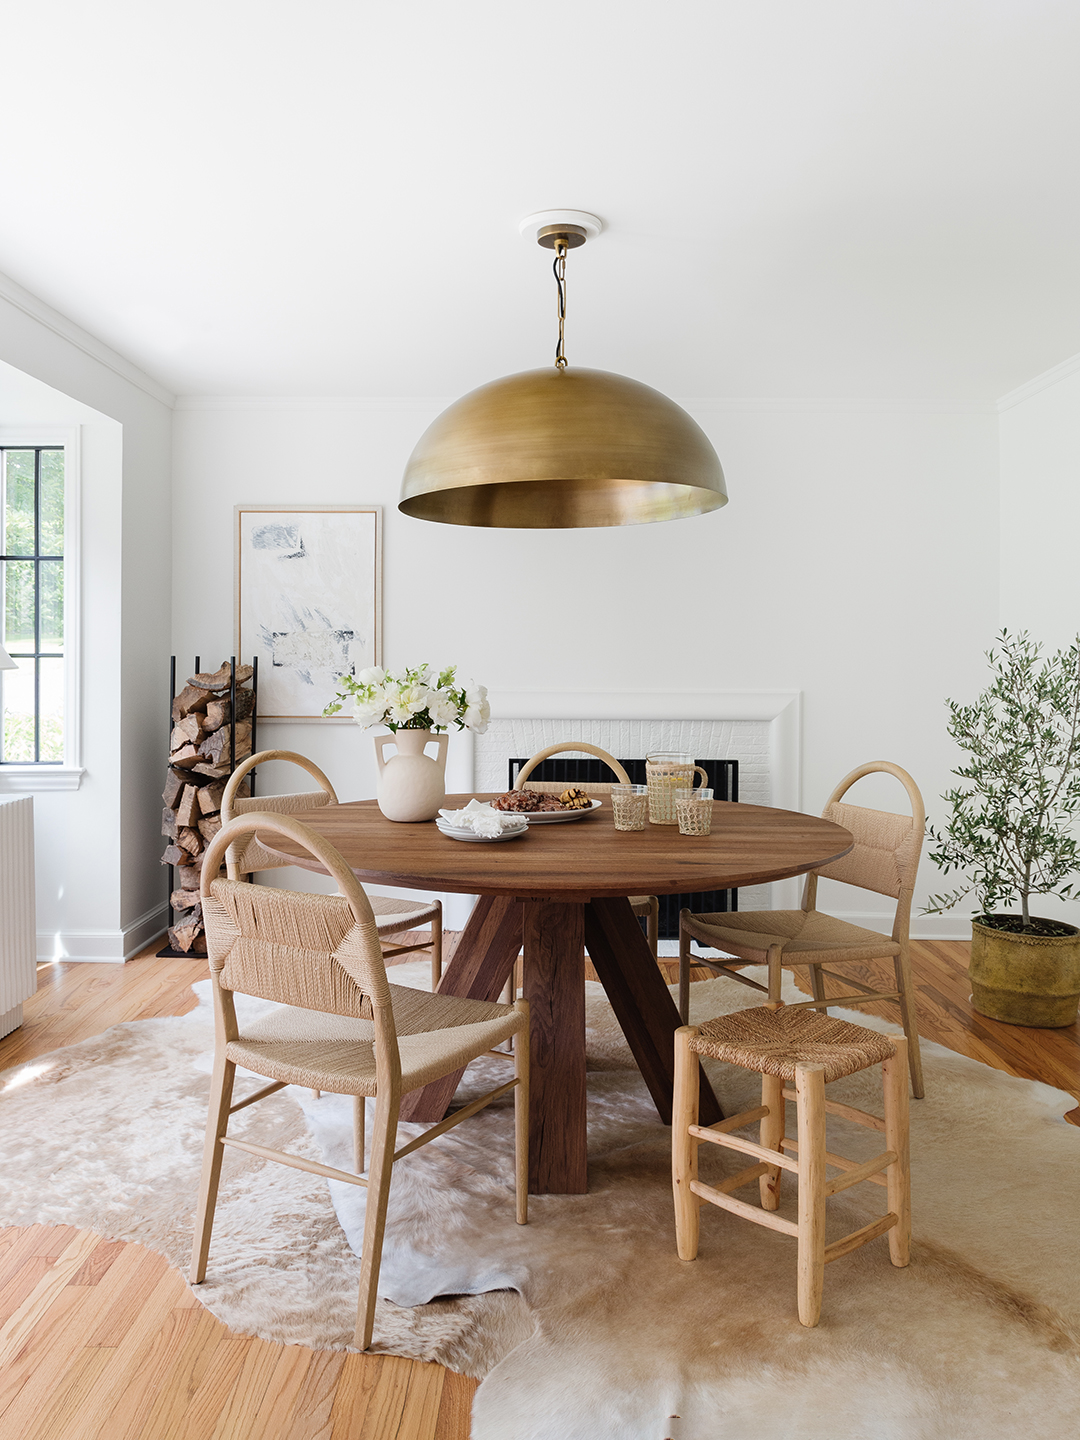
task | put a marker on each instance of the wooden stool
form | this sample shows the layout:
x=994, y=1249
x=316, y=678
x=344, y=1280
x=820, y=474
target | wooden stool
x=807, y=1049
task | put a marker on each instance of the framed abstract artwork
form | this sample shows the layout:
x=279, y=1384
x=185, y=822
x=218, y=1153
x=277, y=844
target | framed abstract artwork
x=308, y=600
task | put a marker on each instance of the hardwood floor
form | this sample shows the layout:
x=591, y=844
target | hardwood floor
x=103, y=1341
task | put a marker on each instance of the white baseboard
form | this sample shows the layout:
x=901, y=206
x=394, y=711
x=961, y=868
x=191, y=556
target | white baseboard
x=106, y=947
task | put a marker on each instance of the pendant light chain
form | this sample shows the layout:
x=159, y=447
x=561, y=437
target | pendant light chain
x=559, y=271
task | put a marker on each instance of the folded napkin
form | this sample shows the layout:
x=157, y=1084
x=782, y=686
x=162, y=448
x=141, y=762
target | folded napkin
x=483, y=820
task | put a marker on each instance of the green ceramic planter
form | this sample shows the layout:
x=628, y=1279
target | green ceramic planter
x=1025, y=979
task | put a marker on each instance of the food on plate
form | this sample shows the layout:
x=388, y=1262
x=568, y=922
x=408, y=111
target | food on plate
x=531, y=802
x=522, y=801
x=574, y=799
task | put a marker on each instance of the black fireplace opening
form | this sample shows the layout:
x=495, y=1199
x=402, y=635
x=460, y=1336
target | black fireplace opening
x=724, y=779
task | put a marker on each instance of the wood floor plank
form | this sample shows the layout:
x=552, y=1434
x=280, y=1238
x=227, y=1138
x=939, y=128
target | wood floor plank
x=215, y=1389
x=17, y=1329
x=312, y=1415
x=172, y=1373
x=455, y=1406
x=237, y=1420
x=67, y=1401
x=356, y=1382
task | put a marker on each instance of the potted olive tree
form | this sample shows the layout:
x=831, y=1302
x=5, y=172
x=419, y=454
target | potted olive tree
x=1011, y=831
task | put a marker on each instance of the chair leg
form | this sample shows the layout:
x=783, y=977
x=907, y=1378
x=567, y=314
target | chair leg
x=378, y=1194
x=770, y=1133
x=894, y=1074
x=436, y=948
x=521, y=1116
x=652, y=926
x=684, y=970
x=684, y=1148
x=217, y=1122
x=359, y=1132
x=902, y=967
x=776, y=973
x=817, y=982
x=810, y=1089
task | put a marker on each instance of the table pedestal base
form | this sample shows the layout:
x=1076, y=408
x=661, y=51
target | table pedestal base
x=555, y=933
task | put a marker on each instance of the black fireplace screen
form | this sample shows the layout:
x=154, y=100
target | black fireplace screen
x=724, y=779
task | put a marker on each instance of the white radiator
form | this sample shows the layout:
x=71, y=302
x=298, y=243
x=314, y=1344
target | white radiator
x=18, y=923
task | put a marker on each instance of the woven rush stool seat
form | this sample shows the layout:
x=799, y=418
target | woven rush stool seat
x=792, y=1047
x=774, y=1042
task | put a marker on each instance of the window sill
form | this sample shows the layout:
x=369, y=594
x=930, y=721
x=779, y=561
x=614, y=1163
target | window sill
x=16, y=778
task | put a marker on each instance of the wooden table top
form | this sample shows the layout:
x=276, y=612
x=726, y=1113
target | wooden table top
x=749, y=845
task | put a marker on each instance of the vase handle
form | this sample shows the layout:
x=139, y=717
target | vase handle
x=380, y=741
x=704, y=776
x=442, y=741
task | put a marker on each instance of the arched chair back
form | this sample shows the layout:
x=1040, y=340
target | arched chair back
x=556, y=787
x=245, y=857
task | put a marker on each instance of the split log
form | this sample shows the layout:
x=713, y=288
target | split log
x=209, y=828
x=216, y=745
x=215, y=772
x=217, y=714
x=185, y=758
x=190, y=840
x=186, y=900
x=175, y=856
x=221, y=679
x=187, y=812
x=190, y=876
x=168, y=823
x=190, y=698
x=210, y=797
x=186, y=938
x=192, y=728
x=174, y=785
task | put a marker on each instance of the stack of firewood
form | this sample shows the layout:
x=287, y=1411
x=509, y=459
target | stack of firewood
x=201, y=759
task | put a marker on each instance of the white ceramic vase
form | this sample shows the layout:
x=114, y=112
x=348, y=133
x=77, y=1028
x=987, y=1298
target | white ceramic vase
x=412, y=785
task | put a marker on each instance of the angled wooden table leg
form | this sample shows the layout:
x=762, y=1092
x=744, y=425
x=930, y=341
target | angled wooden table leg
x=480, y=968
x=554, y=982
x=642, y=1003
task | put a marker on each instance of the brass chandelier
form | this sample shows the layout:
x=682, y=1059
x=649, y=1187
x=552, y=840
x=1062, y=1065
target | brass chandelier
x=559, y=448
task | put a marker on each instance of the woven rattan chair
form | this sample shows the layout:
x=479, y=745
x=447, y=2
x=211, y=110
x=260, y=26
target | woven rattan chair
x=791, y=1047
x=884, y=858
x=392, y=916
x=646, y=905
x=339, y=1026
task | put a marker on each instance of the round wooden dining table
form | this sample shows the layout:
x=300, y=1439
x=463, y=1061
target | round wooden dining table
x=556, y=891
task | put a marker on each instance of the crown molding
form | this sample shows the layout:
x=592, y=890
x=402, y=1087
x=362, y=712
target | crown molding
x=837, y=405
x=1039, y=383
x=358, y=404
x=75, y=335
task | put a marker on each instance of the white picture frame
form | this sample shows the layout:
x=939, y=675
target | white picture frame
x=308, y=600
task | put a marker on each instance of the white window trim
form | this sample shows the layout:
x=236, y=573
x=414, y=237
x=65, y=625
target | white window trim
x=23, y=778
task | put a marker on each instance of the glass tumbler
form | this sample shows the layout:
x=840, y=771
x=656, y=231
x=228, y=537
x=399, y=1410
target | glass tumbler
x=629, y=806
x=694, y=811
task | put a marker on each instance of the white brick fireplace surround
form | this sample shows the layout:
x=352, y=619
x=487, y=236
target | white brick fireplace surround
x=761, y=729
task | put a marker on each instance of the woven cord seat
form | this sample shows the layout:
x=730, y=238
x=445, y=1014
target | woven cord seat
x=774, y=1042
x=884, y=859
x=792, y=1047
x=392, y=915
x=337, y=1025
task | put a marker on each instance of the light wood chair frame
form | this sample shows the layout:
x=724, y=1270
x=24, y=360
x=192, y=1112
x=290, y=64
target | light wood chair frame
x=690, y=927
x=388, y=1082
x=644, y=905
x=234, y=863
x=811, y=1159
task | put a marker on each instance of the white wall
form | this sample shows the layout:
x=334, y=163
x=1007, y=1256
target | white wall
x=101, y=890
x=855, y=562
x=1040, y=522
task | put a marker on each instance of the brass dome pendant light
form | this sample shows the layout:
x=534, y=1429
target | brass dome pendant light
x=559, y=448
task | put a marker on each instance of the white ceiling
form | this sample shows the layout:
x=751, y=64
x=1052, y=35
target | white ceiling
x=803, y=197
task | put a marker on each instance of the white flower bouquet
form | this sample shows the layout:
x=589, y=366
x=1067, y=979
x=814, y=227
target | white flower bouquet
x=413, y=700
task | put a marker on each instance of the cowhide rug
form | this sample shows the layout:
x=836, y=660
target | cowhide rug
x=585, y=1323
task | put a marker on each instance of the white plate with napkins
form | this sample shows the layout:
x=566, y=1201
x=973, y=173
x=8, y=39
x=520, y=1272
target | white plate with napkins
x=479, y=822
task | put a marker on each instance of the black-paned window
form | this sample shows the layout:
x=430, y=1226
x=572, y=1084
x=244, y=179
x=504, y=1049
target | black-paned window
x=32, y=556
